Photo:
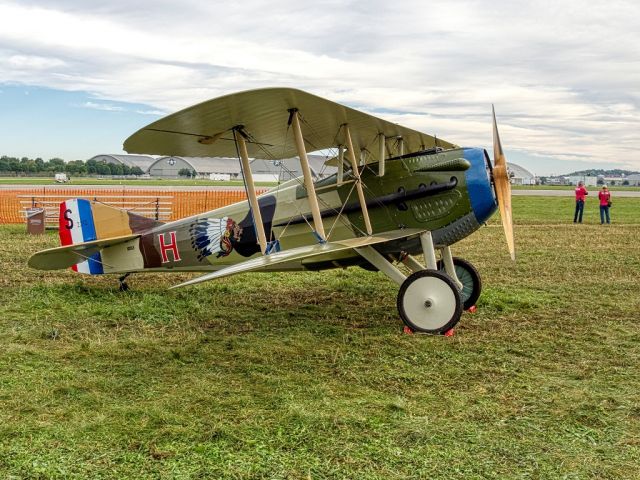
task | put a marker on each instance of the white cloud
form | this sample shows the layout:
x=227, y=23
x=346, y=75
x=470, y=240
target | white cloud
x=564, y=76
x=33, y=62
x=103, y=106
x=152, y=112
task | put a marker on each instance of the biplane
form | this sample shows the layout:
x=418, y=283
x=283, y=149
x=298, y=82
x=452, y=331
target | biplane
x=397, y=194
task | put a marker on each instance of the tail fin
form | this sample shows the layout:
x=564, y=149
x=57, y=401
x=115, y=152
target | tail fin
x=84, y=221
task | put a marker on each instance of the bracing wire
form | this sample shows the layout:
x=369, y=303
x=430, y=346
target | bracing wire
x=324, y=203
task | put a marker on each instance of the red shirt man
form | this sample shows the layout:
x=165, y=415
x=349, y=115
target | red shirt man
x=581, y=194
x=604, y=196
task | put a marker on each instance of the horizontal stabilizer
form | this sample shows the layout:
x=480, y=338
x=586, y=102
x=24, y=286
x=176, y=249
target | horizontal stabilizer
x=69, y=255
x=296, y=254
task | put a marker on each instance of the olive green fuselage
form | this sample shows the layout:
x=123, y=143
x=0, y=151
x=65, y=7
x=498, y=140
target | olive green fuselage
x=428, y=191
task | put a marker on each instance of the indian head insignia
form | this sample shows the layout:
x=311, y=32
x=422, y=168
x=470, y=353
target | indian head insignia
x=214, y=236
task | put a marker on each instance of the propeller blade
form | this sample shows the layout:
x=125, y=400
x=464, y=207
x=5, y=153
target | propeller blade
x=503, y=187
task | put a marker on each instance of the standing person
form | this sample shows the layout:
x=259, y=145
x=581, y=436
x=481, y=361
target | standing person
x=581, y=194
x=605, y=202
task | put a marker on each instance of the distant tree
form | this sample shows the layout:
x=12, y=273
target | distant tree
x=136, y=171
x=616, y=172
x=186, y=172
x=90, y=165
x=116, y=168
x=76, y=167
x=103, y=169
x=55, y=165
x=625, y=182
x=600, y=181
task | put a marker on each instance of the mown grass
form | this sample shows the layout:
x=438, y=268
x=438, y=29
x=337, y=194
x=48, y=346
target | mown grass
x=308, y=375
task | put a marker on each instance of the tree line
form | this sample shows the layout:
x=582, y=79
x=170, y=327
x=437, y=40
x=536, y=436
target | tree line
x=29, y=166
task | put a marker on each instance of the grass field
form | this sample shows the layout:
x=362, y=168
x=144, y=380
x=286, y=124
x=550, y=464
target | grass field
x=308, y=375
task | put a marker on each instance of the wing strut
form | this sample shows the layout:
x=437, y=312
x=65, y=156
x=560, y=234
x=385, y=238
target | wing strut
x=356, y=173
x=251, y=189
x=308, y=179
x=383, y=144
x=340, y=164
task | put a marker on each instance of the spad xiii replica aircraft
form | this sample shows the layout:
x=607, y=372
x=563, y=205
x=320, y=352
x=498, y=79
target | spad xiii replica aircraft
x=397, y=193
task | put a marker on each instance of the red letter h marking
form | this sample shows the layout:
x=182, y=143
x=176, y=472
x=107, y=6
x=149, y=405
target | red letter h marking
x=172, y=246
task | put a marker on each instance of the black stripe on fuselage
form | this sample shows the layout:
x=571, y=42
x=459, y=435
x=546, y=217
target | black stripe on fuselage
x=392, y=198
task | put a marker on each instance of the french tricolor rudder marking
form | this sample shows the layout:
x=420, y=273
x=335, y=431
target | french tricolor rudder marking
x=76, y=226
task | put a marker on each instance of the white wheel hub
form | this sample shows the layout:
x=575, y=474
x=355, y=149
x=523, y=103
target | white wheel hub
x=429, y=302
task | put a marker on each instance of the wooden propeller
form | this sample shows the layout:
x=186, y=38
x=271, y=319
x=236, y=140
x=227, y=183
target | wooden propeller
x=503, y=187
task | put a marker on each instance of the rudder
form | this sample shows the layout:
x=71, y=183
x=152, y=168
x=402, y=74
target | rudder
x=83, y=221
x=77, y=226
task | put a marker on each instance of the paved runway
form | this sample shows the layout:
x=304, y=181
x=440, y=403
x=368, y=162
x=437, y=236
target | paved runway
x=569, y=193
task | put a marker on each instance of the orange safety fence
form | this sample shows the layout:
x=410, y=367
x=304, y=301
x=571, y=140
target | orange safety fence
x=184, y=203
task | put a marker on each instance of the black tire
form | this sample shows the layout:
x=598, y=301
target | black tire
x=434, y=292
x=470, y=278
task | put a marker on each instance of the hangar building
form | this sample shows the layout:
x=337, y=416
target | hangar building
x=229, y=168
x=520, y=175
x=142, y=161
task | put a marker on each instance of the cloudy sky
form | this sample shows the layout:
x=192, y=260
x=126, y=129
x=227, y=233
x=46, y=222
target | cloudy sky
x=78, y=76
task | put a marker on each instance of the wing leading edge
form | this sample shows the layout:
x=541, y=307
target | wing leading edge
x=205, y=130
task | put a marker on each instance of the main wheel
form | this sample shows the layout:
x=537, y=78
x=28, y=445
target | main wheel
x=429, y=301
x=470, y=279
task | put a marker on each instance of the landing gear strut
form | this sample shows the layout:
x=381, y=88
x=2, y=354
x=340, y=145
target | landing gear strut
x=428, y=301
x=470, y=282
x=124, y=286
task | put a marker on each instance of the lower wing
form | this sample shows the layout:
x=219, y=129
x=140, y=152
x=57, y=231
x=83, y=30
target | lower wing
x=294, y=254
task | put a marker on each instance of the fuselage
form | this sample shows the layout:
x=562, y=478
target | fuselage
x=449, y=193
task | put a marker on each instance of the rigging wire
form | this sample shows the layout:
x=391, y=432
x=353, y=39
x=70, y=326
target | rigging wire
x=328, y=206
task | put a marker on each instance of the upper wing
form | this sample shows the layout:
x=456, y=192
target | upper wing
x=69, y=255
x=257, y=264
x=204, y=130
